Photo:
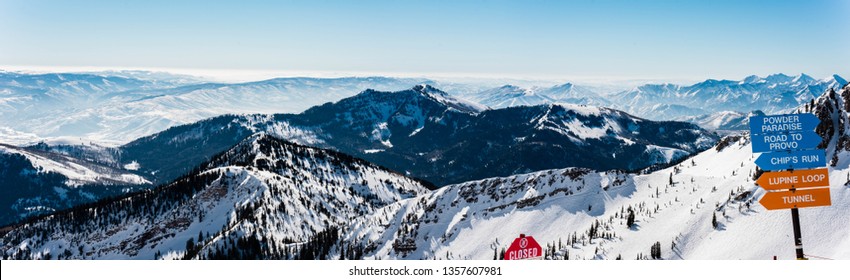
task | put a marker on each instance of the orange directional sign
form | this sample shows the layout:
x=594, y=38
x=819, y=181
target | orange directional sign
x=794, y=179
x=796, y=199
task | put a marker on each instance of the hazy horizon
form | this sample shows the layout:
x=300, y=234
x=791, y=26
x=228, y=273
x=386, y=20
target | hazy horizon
x=243, y=76
x=539, y=40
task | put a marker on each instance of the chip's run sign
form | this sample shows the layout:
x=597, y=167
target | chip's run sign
x=792, y=160
x=523, y=248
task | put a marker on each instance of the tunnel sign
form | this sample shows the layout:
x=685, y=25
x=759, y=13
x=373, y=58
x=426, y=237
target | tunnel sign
x=796, y=199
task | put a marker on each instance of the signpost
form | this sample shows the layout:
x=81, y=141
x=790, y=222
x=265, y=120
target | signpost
x=787, y=143
x=796, y=199
x=783, y=123
x=773, y=181
x=792, y=160
x=524, y=248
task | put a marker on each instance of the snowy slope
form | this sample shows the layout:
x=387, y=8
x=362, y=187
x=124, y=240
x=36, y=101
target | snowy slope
x=581, y=214
x=244, y=197
x=262, y=189
x=35, y=181
x=77, y=172
x=559, y=207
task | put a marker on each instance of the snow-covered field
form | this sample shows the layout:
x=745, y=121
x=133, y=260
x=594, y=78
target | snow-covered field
x=559, y=207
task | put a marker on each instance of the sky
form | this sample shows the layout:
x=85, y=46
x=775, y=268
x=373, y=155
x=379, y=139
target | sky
x=510, y=39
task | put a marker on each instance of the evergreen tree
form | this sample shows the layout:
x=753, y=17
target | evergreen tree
x=630, y=221
x=655, y=250
x=190, y=246
x=714, y=220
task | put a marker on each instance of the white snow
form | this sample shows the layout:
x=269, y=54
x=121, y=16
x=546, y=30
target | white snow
x=132, y=166
x=78, y=173
x=314, y=194
x=679, y=213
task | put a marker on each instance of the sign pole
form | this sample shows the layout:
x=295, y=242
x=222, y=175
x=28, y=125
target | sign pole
x=788, y=142
x=798, y=239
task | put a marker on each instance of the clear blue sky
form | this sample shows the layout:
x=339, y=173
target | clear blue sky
x=546, y=39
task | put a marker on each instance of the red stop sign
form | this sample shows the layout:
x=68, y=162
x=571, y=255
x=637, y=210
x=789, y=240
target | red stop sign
x=524, y=247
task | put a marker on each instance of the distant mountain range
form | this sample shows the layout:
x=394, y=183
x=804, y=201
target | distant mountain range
x=426, y=133
x=511, y=96
x=724, y=120
x=115, y=108
x=421, y=132
x=772, y=94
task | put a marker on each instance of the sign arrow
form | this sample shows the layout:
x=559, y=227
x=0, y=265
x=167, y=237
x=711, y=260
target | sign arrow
x=783, y=123
x=794, y=179
x=776, y=161
x=796, y=199
x=785, y=142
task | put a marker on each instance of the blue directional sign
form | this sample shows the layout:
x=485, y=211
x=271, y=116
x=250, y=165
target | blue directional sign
x=783, y=123
x=776, y=161
x=785, y=142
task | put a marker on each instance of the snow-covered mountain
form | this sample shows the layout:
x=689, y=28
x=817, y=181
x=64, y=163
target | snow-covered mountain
x=724, y=120
x=773, y=94
x=575, y=94
x=583, y=214
x=511, y=96
x=426, y=133
x=117, y=107
x=422, y=132
x=264, y=198
x=450, y=146
x=704, y=207
x=34, y=181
